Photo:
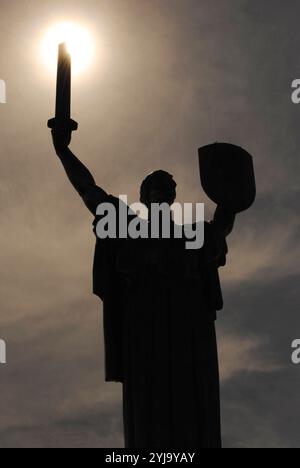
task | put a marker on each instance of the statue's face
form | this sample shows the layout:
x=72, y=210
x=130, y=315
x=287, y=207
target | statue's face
x=158, y=187
x=157, y=194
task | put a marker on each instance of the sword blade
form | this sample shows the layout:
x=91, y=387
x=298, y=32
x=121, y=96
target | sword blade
x=62, y=118
x=63, y=85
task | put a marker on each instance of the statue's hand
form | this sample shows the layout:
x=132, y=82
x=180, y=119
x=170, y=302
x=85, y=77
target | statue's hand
x=61, y=139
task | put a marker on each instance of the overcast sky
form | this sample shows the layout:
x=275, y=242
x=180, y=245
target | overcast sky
x=169, y=76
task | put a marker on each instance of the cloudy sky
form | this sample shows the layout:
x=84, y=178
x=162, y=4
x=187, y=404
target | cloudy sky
x=168, y=76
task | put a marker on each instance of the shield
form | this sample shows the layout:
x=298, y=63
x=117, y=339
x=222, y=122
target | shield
x=227, y=176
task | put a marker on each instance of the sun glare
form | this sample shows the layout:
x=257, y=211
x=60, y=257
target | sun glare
x=78, y=41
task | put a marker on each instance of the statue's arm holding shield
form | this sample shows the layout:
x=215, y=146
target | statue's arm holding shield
x=227, y=177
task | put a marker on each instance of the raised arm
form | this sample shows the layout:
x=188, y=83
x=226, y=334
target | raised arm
x=216, y=232
x=79, y=176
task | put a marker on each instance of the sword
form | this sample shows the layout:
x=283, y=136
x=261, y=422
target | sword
x=62, y=119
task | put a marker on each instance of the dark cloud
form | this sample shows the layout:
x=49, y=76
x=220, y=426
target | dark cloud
x=260, y=402
x=169, y=76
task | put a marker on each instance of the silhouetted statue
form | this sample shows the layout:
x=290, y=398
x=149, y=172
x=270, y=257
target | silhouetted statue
x=160, y=302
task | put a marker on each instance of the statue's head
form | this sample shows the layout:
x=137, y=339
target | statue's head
x=158, y=187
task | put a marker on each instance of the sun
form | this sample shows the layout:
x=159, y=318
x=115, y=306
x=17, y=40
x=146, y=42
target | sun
x=79, y=44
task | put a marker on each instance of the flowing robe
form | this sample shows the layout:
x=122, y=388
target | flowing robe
x=160, y=303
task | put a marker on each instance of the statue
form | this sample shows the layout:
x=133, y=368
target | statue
x=160, y=302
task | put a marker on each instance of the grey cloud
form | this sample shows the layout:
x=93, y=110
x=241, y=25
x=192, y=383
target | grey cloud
x=170, y=76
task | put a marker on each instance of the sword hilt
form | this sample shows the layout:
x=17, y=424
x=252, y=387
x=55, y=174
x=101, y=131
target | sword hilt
x=64, y=125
